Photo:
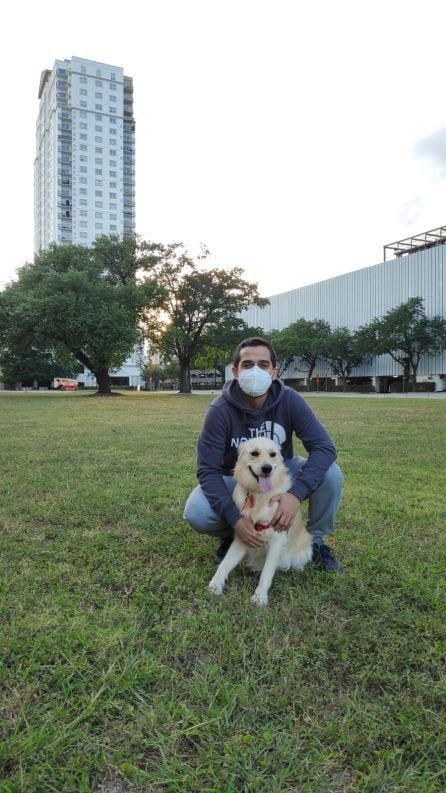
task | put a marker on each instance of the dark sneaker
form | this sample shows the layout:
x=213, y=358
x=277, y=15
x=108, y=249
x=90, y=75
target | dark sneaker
x=222, y=550
x=323, y=557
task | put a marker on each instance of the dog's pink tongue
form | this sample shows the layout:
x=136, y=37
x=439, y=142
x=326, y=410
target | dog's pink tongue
x=265, y=483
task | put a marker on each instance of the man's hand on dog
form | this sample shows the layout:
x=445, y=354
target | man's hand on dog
x=287, y=509
x=246, y=532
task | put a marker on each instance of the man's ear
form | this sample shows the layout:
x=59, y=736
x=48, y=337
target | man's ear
x=234, y=371
x=275, y=373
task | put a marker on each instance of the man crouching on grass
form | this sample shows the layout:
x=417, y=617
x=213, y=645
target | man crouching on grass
x=257, y=404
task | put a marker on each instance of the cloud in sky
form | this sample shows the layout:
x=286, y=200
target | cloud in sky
x=433, y=147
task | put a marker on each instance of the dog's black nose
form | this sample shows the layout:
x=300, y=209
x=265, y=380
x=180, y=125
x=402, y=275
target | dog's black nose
x=266, y=469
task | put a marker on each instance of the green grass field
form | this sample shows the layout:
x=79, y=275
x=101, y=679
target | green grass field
x=120, y=673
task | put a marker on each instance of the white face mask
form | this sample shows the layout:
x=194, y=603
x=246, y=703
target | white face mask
x=255, y=381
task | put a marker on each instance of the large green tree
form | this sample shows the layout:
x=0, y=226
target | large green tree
x=305, y=339
x=343, y=353
x=34, y=366
x=406, y=334
x=200, y=302
x=83, y=301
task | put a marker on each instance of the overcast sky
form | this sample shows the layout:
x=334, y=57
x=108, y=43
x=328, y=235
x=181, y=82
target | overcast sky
x=295, y=139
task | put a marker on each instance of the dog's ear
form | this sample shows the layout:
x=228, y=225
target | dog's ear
x=241, y=448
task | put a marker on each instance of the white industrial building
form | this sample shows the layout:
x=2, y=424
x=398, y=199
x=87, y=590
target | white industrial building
x=355, y=299
x=84, y=171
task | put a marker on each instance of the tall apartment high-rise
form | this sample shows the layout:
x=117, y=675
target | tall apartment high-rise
x=84, y=169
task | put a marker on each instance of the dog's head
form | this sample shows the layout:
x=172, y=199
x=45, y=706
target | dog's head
x=259, y=466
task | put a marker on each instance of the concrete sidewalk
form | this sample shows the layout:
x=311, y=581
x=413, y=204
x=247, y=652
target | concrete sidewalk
x=350, y=394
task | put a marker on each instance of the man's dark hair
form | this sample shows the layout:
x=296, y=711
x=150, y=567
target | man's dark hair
x=255, y=341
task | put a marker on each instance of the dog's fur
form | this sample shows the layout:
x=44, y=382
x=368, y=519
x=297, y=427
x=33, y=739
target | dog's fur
x=261, y=473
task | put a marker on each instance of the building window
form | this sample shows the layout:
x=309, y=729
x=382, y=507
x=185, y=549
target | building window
x=82, y=191
x=112, y=109
x=83, y=125
x=98, y=193
x=83, y=69
x=98, y=160
x=83, y=180
x=83, y=201
x=98, y=150
x=98, y=82
x=112, y=86
x=83, y=169
x=113, y=217
x=83, y=113
x=112, y=206
x=98, y=107
x=83, y=234
x=113, y=153
x=98, y=139
x=112, y=184
x=97, y=128
x=98, y=117
x=83, y=92
x=113, y=227
x=98, y=171
x=83, y=224
x=98, y=73
x=112, y=174
x=112, y=195
x=83, y=213
x=98, y=214
x=83, y=147
x=83, y=103
x=98, y=204
x=112, y=98
x=113, y=121
x=83, y=136
x=83, y=79
x=98, y=182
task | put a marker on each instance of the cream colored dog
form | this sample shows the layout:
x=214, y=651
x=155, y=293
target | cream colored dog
x=261, y=473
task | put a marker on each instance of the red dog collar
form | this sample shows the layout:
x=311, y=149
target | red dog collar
x=261, y=526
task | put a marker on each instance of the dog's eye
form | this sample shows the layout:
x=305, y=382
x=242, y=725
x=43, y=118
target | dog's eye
x=272, y=454
x=255, y=454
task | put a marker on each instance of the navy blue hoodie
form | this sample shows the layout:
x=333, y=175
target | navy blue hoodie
x=230, y=420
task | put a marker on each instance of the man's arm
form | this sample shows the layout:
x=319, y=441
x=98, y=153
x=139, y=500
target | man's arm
x=317, y=442
x=211, y=448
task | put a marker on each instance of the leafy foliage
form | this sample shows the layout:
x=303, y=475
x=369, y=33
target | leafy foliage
x=304, y=339
x=200, y=303
x=406, y=334
x=82, y=301
x=343, y=352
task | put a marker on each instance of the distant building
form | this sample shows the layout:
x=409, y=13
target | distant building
x=84, y=171
x=355, y=299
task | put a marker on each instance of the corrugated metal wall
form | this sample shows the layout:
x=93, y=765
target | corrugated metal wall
x=354, y=299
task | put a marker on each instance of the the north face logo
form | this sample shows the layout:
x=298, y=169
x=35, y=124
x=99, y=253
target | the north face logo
x=264, y=431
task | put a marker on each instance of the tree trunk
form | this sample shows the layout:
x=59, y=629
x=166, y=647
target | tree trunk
x=103, y=381
x=185, y=384
x=310, y=375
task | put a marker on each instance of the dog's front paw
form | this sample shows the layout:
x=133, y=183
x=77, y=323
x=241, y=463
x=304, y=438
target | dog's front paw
x=260, y=598
x=215, y=589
